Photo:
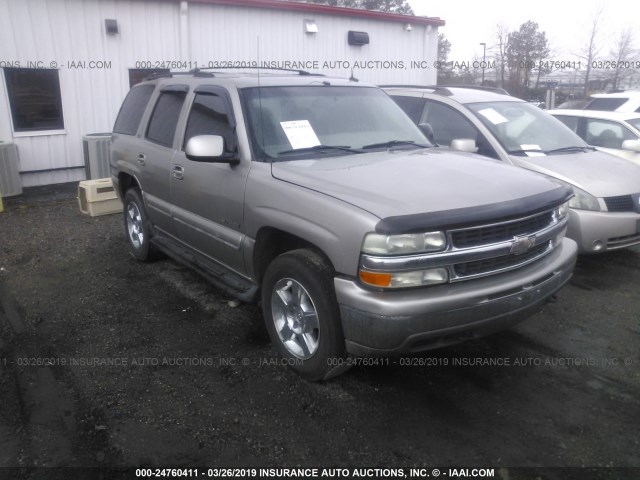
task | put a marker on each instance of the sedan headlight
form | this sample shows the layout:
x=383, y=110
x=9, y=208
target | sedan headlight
x=405, y=244
x=581, y=199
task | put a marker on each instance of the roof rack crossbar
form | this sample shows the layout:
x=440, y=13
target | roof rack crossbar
x=299, y=72
x=444, y=90
x=155, y=76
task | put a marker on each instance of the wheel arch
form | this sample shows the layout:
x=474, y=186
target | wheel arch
x=125, y=182
x=272, y=242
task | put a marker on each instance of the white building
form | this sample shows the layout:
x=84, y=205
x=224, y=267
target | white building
x=67, y=64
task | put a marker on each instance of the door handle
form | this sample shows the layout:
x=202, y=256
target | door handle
x=177, y=172
x=141, y=158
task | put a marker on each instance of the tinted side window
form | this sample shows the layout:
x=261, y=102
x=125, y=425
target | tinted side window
x=209, y=116
x=412, y=106
x=447, y=124
x=606, y=134
x=571, y=122
x=606, y=104
x=132, y=110
x=164, y=119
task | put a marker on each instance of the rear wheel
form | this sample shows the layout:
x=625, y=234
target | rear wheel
x=302, y=315
x=137, y=227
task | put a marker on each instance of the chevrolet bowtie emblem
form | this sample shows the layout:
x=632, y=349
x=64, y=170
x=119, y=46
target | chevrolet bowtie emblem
x=522, y=244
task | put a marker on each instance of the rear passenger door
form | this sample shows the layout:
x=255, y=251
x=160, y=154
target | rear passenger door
x=155, y=155
x=208, y=198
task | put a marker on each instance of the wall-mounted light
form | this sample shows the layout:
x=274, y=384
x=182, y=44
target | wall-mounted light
x=111, y=26
x=408, y=27
x=310, y=26
x=358, y=38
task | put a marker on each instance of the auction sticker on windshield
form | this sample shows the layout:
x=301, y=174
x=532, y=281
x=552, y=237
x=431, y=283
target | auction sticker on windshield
x=493, y=116
x=300, y=134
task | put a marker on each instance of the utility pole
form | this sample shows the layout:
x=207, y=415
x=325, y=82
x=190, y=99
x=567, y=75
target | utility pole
x=484, y=57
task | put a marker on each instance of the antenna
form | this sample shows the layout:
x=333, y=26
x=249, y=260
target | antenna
x=260, y=99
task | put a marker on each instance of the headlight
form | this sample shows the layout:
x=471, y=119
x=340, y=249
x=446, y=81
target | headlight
x=581, y=200
x=417, y=278
x=584, y=200
x=377, y=244
x=560, y=212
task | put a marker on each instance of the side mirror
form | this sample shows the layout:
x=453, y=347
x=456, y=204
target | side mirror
x=427, y=131
x=208, y=148
x=463, y=145
x=631, y=145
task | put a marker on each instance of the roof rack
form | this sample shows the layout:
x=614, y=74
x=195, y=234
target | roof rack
x=203, y=72
x=299, y=72
x=485, y=88
x=444, y=89
x=155, y=76
x=436, y=88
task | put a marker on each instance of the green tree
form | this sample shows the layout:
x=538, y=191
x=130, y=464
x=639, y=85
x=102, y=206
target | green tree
x=525, y=48
x=445, y=73
x=392, y=6
x=444, y=48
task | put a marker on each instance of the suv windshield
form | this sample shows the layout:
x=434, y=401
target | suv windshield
x=523, y=129
x=298, y=121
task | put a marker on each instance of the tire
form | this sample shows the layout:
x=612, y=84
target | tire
x=137, y=227
x=302, y=316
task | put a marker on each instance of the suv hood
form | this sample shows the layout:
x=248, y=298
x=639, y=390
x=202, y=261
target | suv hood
x=398, y=182
x=598, y=173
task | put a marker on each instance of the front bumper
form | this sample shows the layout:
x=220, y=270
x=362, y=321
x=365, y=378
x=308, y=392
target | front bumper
x=396, y=322
x=603, y=231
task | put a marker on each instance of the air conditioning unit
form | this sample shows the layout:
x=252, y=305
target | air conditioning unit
x=10, y=181
x=97, y=147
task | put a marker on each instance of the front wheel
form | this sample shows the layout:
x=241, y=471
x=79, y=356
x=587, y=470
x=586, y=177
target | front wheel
x=302, y=315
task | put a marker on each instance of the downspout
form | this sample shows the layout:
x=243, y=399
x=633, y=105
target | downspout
x=184, y=32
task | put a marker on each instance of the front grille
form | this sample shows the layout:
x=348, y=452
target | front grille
x=481, y=267
x=485, y=235
x=622, y=242
x=623, y=203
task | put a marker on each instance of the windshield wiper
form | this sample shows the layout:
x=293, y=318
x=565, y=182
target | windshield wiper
x=393, y=143
x=344, y=148
x=570, y=149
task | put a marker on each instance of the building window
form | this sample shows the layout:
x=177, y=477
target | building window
x=137, y=75
x=34, y=99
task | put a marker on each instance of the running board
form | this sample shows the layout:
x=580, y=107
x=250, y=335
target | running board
x=220, y=276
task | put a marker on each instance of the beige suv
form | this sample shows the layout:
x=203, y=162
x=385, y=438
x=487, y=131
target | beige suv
x=320, y=199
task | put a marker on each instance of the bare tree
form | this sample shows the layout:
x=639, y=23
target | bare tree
x=622, y=52
x=502, y=37
x=592, y=47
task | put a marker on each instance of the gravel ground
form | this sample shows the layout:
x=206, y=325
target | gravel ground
x=108, y=362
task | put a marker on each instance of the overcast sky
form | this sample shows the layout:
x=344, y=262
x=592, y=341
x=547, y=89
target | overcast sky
x=565, y=22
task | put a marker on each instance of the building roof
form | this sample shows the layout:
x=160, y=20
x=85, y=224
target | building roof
x=314, y=8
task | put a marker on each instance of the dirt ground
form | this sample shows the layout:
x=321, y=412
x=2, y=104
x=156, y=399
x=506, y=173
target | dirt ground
x=107, y=362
